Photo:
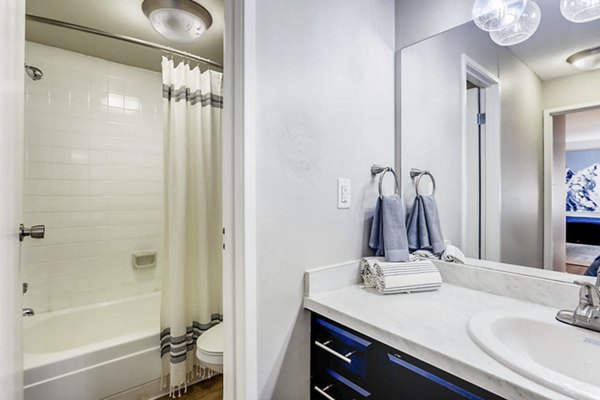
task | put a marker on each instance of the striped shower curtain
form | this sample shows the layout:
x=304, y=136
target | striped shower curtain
x=192, y=262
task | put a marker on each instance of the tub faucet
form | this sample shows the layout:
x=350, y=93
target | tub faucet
x=28, y=312
x=587, y=313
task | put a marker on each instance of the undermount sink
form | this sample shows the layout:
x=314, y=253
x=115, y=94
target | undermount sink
x=560, y=357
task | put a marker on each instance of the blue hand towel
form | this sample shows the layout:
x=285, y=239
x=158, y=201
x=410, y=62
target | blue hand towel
x=376, y=238
x=388, y=231
x=423, y=226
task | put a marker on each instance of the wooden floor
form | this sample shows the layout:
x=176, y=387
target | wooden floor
x=211, y=389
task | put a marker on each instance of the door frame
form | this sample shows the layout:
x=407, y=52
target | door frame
x=12, y=103
x=491, y=199
x=549, y=176
x=239, y=203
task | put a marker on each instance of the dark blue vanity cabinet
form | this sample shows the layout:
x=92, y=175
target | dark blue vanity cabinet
x=346, y=365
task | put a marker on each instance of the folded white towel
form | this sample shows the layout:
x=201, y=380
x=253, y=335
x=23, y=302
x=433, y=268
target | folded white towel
x=407, y=277
x=367, y=270
x=423, y=255
x=453, y=254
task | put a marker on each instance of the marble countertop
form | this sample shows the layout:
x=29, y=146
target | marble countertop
x=432, y=326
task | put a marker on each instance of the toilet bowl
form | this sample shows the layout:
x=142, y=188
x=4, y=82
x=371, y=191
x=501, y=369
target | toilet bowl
x=209, y=348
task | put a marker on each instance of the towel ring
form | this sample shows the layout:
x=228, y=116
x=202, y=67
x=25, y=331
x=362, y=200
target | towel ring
x=377, y=169
x=417, y=174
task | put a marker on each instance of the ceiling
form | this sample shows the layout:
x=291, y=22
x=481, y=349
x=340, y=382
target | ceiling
x=117, y=16
x=555, y=40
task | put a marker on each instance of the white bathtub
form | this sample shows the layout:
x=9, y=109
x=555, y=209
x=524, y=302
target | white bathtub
x=91, y=352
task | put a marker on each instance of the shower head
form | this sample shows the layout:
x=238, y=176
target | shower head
x=34, y=72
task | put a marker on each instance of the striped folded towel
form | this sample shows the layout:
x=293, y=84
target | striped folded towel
x=453, y=254
x=367, y=268
x=416, y=276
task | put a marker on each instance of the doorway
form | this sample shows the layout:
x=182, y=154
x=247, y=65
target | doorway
x=481, y=162
x=575, y=190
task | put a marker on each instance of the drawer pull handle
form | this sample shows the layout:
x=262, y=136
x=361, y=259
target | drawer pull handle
x=322, y=392
x=342, y=357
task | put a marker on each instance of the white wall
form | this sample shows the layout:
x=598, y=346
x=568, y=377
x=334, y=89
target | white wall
x=522, y=219
x=419, y=19
x=572, y=90
x=93, y=177
x=324, y=110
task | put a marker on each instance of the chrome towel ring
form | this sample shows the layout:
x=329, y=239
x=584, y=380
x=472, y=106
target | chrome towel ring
x=417, y=174
x=378, y=169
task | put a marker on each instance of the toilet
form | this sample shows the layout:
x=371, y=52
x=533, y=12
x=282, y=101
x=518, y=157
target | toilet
x=209, y=348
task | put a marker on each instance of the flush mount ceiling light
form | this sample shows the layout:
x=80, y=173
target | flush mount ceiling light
x=586, y=60
x=580, y=10
x=179, y=21
x=522, y=29
x=493, y=15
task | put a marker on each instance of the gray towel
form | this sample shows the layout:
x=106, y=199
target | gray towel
x=388, y=231
x=376, y=238
x=423, y=226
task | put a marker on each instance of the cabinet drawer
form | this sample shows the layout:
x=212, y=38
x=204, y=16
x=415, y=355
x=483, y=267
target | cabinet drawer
x=339, y=349
x=409, y=378
x=331, y=385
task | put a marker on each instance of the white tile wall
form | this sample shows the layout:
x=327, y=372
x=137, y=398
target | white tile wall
x=93, y=176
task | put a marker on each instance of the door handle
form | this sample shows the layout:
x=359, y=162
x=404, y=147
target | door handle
x=35, y=232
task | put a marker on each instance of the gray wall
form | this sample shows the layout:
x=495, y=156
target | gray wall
x=431, y=125
x=431, y=135
x=419, y=19
x=572, y=90
x=522, y=219
x=324, y=110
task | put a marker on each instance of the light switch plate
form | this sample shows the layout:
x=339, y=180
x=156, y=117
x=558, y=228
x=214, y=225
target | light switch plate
x=344, y=193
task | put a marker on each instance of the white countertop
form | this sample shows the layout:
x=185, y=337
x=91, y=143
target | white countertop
x=432, y=326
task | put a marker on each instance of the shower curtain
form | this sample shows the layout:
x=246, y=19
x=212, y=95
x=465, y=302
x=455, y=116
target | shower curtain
x=192, y=261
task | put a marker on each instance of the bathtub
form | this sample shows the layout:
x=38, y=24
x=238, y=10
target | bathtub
x=91, y=352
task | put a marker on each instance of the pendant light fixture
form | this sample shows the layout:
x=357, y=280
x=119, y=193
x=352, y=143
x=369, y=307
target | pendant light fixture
x=493, y=15
x=586, y=60
x=580, y=10
x=522, y=29
x=179, y=21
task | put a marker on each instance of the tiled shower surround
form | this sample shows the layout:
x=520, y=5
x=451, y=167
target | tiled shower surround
x=93, y=176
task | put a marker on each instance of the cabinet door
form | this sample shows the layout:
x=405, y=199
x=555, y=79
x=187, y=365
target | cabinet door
x=404, y=377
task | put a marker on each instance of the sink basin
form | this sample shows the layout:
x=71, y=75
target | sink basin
x=558, y=356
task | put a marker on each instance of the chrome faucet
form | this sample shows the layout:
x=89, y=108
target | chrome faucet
x=587, y=313
x=28, y=312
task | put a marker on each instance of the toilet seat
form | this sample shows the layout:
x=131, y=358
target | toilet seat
x=209, y=348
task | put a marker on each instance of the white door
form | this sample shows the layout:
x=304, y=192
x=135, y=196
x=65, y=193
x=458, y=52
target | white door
x=12, y=46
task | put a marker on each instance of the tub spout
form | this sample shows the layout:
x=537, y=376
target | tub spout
x=28, y=312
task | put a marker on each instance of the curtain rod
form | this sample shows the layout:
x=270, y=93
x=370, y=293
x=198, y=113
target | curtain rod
x=123, y=38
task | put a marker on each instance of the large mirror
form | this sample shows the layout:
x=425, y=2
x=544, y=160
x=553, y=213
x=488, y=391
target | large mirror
x=512, y=137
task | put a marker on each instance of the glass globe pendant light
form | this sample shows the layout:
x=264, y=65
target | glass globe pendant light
x=493, y=15
x=580, y=10
x=522, y=29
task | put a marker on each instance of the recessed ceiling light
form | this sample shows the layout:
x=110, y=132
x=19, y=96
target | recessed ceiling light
x=586, y=60
x=179, y=21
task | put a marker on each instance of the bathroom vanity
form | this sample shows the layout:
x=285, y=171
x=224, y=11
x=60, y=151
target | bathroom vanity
x=432, y=345
x=348, y=365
